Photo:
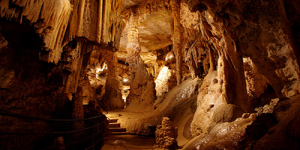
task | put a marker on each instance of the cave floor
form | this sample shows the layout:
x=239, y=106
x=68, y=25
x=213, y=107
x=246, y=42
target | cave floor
x=128, y=142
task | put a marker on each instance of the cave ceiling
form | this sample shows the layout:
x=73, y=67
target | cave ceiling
x=155, y=32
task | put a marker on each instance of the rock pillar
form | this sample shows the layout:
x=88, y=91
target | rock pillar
x=112, y=98
x=78, y=110
x=177, y=38
x=165, y=135
x=231, y=69
x=133, y=46
x=142, y=87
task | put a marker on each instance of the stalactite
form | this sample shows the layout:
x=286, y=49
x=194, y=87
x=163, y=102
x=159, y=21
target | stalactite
x=99, y=21
x=177, y=38
x=50, y=24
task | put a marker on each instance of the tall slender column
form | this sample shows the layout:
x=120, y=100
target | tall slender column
x=133, y=46
x=142, y=86
x=112, y=97
x=177, y=38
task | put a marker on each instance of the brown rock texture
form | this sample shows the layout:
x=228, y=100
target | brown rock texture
x=142, y=87
x=51, y=24
x=58, y=55
x=79, y=18
x=177, y=38
x=112, y=98
x=165, y=135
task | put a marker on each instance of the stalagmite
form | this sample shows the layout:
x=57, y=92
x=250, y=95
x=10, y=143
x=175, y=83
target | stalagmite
x=177, y=38
x=142, y=87
x=133, y=45
x=112, y=98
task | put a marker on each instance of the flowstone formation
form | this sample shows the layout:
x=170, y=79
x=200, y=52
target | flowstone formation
x=166, y=134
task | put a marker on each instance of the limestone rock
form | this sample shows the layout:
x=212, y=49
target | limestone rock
x=50, y=23
x=112, y=98
x=165, y=135
x=142, y=89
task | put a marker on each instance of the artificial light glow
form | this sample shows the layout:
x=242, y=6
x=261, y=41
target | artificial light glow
x=126, y=87
x=99, y=70
x=169, y=56
x=125, y=80
x=125, y=93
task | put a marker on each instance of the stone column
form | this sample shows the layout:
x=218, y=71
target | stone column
x=166, y=135
x=177, y=38
x=133, y=46
x=112, y=98
x=78, y=110
x=231, y=69
x=142, y=87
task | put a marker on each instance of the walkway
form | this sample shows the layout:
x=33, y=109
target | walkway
x=128, y=142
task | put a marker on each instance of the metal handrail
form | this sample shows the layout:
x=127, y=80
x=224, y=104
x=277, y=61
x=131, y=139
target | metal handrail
x=74, y=131
x=72, y=143
x=93, y=130
x=46, y=119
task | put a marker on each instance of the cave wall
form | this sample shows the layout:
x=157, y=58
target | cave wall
x=50, y=24
x=66, y=33
x=59, y=22
x=248, y=40
x=28, y=86
x=45, y=51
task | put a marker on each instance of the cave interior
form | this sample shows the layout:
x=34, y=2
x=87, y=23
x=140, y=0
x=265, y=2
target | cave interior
x=168, y=74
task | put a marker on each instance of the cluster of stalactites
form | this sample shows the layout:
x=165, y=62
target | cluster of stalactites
x=50, y=19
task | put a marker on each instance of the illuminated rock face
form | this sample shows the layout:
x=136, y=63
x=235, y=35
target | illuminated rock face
x=245, y=48
x=177, y=38
x=60, y=21
x=142, y=86
x=50, y=23
x=161, y=82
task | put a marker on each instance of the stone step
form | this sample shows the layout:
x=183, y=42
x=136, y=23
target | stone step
x=116, y=130
x=112, y=120
x=116, y=133
x=114, y=125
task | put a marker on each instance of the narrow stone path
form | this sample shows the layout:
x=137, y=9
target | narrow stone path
x=115, y=128
x=128, y=142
